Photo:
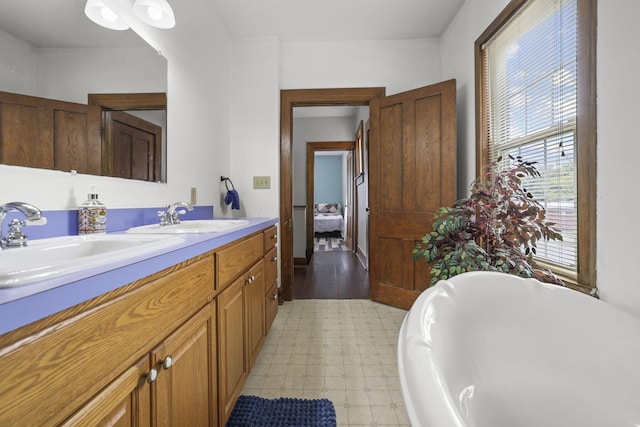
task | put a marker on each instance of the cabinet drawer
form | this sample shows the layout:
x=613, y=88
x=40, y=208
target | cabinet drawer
x=235, y=259
x=50, y=375
x=270, y=238
x=271, y=269
x=271, y=306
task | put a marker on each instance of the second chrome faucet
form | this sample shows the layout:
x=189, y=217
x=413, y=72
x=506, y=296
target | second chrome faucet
x=172, y=214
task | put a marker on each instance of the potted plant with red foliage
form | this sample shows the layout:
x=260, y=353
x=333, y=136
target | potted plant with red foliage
x=496, y=229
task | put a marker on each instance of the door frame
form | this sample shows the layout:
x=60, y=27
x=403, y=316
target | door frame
x=312, y=148
x=290, y=98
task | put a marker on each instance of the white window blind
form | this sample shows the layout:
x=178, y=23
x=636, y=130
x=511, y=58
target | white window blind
x=530, y=80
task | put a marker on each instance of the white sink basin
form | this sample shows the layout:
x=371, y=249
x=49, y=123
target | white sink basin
x=192, y=226
x=50, y=258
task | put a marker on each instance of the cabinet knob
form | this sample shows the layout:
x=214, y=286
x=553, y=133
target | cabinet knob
x=167, y=362
x=275, y=296
x=152, y=376
x=249, y=280
x=274, y=259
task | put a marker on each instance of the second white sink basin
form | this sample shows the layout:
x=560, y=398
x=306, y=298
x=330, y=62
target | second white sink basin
x=49, y=258
x=191, y=226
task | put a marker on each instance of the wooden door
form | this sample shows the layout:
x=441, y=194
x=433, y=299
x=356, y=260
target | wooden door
x=123, y=403
x=233, y=367
x=135, y=147
x=412, y=165
x=182, y=393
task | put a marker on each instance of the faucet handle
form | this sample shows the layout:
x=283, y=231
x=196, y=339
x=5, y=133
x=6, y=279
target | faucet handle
x=164, y=218
x=15, y=236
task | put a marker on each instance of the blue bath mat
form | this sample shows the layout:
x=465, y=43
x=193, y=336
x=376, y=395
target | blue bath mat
x=254, y=411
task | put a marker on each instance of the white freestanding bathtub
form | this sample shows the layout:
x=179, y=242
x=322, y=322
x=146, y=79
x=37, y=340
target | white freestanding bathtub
x=494, y=350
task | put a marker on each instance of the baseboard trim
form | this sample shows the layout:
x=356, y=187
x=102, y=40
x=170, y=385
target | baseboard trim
x=362, y=257
x=299, y=262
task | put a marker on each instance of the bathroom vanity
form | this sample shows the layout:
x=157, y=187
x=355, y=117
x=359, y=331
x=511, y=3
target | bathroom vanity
x=171, y=347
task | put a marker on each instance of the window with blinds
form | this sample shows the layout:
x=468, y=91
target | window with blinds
x=528, y=74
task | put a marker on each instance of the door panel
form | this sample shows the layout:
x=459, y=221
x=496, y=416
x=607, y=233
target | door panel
x=412, y=172
x=182, y=393
x=135, y=147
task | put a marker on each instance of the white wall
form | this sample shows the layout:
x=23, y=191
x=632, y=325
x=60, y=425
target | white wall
x=457, y=44
x=198, y=51
x=618, y=89
x=398, y=65
x=138, y=69
x=255, y=127
x=18, y=65
x=618, y=152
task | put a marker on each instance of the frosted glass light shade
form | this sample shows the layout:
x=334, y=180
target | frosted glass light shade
x=157, y=13
x=99, y=13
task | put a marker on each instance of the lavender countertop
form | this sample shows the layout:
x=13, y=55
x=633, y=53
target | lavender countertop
x=25, y=304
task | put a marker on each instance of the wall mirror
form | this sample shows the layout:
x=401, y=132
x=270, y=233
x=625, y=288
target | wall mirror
x=54, y=59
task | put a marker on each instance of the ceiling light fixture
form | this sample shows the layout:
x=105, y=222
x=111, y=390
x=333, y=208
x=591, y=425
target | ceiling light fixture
x=102, y=15
x=157, y=13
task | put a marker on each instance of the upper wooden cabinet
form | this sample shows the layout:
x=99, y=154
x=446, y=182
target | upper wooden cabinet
x=94, y=138
x=47, y=134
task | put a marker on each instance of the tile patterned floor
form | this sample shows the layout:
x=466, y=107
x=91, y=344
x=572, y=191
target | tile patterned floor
x=344, y=350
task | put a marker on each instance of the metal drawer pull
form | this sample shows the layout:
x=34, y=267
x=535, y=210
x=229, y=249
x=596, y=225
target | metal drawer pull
x=167, y=362
x=153, y=375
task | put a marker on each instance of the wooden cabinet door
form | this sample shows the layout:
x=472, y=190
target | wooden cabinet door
x=123, y=403
x=183, y=391
x=254, y=295
x=233, y=366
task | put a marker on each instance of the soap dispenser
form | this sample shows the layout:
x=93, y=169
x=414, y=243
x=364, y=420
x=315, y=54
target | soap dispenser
x=92, y=215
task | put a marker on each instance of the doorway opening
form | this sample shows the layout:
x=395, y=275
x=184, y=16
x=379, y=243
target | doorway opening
x=304, y=98
x=330, y=213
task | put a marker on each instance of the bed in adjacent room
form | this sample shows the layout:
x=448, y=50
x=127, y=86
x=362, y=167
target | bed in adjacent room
x=327, y=218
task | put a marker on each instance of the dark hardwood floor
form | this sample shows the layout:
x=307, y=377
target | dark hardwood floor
x=331, y=275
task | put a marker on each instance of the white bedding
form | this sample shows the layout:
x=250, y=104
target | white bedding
x=327, y=222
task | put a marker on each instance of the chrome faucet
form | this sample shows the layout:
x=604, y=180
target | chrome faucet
x=171, y=215
x=15, y=238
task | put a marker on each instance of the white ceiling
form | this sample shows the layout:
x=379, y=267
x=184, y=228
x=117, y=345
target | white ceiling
x=59, y=23
x=62, y=23
x=337, y=19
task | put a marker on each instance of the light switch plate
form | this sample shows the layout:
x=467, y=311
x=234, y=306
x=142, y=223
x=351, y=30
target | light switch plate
x=261, y=182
